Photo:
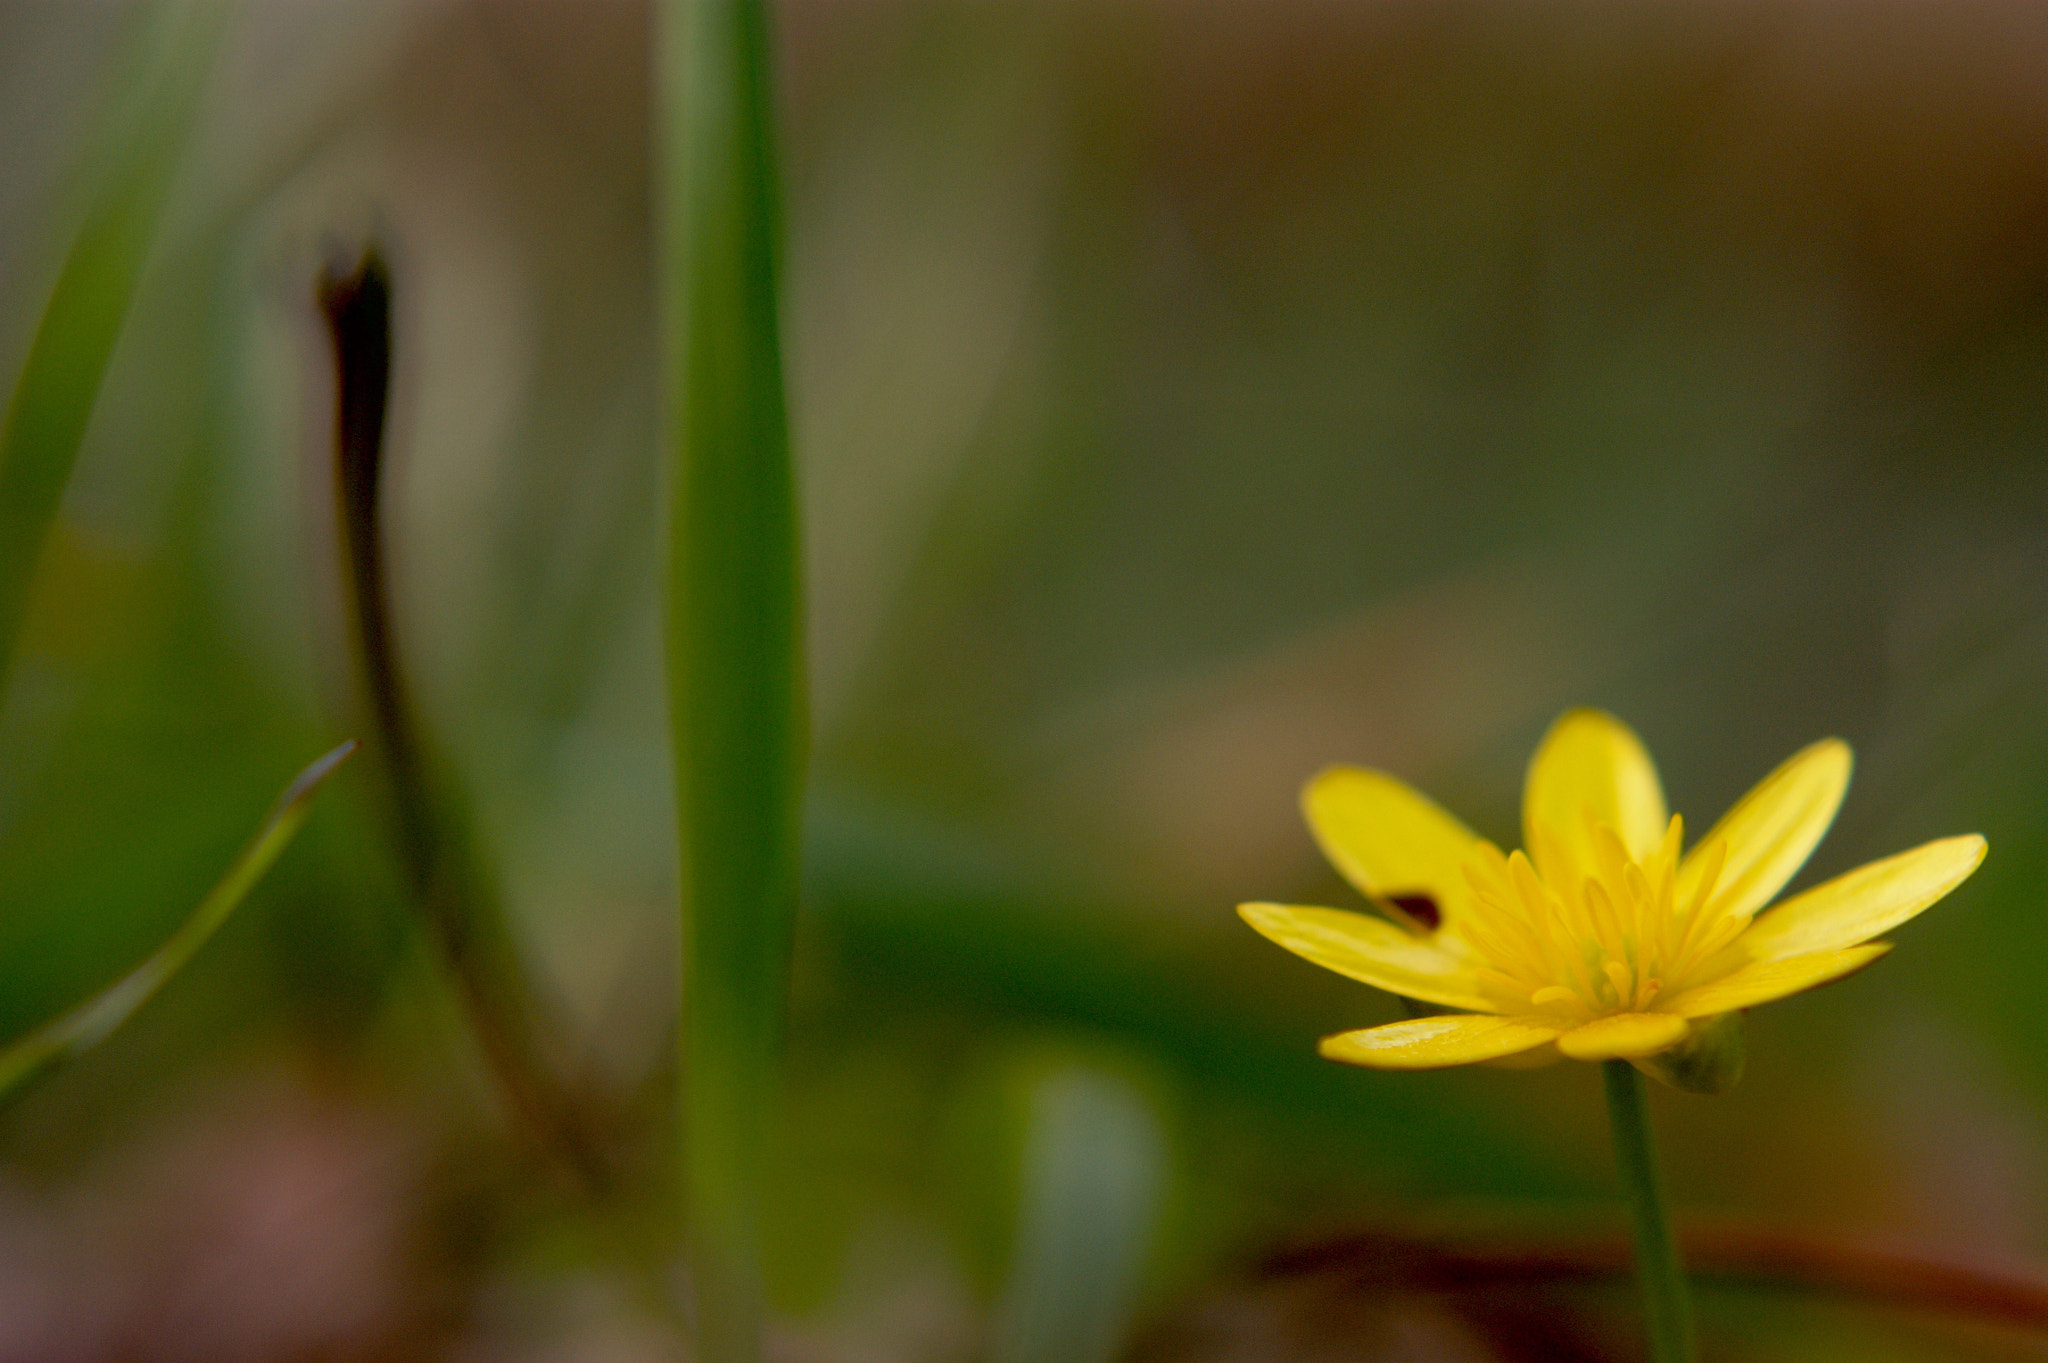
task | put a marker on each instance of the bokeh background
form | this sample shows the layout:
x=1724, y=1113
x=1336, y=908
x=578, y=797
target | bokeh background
x=1187, y=395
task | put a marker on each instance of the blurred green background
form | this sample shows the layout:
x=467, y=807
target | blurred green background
x=1187, y=396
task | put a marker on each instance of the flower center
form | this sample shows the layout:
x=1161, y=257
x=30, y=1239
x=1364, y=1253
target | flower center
x=1597, y=932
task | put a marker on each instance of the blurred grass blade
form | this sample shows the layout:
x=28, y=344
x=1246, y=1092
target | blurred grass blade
x=735, y=701
x=60, y=380
x=1089, y=1194
x=87, y=1025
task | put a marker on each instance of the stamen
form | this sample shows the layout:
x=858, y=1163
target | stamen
x=1501, y=980
x=1618, y=976
x=1486, y=870
x=1607, y=921
x=1549, y=851
x=1638, y=884
x=1541, y=910
x=1674, y=839
x=1699, y=923
x=1602, y=941
x=1713, y=859
x=1609, y=851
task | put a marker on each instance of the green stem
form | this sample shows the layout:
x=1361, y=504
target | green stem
x=1667, y=1300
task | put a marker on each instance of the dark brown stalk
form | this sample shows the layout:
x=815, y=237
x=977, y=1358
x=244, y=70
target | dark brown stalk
x=1753, y=1252
x=499, y=1002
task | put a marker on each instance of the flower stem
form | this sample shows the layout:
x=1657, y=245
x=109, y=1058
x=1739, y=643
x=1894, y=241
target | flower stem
x=1667, y=1301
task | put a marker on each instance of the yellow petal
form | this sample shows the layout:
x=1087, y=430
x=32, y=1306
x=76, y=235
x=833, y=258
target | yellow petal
x=1388, y=839
x=1624, y=1036
x=1762, y=981
x=1589, y=762
x=1433, y=1043
x=1541, y=1058
x=1373, y=951
x=1773, y=830
x=1867, y=901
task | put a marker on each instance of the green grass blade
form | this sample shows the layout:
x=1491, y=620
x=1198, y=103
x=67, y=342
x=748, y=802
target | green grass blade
x=87, y=1025
x=1094, y=1165
x=733, y=634
x=60, y=379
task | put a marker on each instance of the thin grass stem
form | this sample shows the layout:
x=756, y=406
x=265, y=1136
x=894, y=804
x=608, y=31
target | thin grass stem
x=87, y=1025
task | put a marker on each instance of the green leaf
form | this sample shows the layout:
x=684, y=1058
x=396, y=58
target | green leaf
x=60, y=380
x=87, y=1025
x=736, y=711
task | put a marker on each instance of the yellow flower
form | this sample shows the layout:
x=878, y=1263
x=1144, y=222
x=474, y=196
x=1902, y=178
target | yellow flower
x=1602, y=939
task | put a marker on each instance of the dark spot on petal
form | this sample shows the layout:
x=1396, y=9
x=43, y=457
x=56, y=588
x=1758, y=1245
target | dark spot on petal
x=1420, y=908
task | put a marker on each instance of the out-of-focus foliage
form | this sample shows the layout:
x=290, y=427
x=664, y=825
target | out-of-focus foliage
x=94, y=1020
x=1186, y=396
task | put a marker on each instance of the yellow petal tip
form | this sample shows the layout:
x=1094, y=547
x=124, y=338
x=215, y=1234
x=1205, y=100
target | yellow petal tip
x=1433, y=1043
x=1266, y=919
x=1835, y=757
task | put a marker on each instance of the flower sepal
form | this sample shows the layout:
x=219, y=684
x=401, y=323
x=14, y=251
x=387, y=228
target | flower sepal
x=1710, y=1060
